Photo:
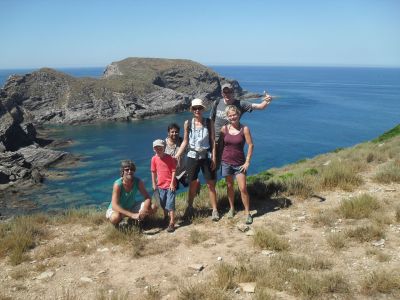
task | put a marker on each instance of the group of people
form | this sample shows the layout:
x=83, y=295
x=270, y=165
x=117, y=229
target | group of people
x=208, y=144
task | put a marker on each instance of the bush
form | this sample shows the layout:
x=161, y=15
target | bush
x=359, y=207
x=266, y=239
x=388, y=174
x=340, y=175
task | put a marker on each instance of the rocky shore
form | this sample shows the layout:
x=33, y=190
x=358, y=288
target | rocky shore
x=131, y=89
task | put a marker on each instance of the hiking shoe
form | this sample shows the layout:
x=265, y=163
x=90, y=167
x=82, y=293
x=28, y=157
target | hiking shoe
x=230, y=213
x=249, y=220
x=215, y=216
x=171, y=228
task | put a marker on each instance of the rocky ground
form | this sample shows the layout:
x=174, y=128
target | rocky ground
x=96, y=267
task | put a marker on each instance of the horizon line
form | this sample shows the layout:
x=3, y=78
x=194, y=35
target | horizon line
x=222, y=65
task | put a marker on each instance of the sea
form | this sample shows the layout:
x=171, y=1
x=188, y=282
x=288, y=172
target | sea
x=316, y=110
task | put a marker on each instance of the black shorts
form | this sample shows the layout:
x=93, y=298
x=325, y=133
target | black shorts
x=193, y=167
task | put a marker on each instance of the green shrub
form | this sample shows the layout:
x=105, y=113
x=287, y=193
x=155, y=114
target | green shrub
x=388, y=135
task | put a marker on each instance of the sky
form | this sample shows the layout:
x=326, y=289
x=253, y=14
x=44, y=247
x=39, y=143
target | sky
x=94, y=33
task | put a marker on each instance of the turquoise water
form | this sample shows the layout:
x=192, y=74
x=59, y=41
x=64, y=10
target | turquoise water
x=318, y=110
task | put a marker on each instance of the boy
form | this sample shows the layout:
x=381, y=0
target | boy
x=163, y=167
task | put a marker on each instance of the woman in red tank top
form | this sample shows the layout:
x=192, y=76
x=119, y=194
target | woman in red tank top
x=234, y=160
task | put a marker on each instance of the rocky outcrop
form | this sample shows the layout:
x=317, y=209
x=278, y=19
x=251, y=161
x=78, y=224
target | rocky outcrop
x=21, y=158
x=133, y=88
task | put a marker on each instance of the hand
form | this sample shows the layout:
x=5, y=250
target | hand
x=244, y=167
x=135, y=216
x=267, y=98
x=213, y=164
x=172, y=186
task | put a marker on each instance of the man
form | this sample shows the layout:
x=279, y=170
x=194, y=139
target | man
x=219, y=118
x=124, y=202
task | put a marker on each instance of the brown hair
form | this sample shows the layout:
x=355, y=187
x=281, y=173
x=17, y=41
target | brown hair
x=127, y=164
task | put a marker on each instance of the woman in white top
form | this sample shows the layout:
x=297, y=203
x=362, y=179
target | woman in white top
x=199, y=136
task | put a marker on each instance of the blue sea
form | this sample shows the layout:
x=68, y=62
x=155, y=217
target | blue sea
x=318, y=109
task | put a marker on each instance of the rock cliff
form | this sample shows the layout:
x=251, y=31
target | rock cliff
x=133, y=88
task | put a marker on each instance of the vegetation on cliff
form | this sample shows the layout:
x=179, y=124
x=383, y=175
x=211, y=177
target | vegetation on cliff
x=325, y=227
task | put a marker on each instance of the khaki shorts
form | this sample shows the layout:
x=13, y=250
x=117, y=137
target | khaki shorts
x=138, y=207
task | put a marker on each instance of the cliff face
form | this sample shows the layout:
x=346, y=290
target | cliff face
x=133, y=88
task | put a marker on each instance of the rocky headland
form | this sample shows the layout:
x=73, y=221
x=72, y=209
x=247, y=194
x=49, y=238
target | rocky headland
x=131, y=89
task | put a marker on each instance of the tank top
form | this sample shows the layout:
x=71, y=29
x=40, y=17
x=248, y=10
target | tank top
x=233, y=152
x=127, y=199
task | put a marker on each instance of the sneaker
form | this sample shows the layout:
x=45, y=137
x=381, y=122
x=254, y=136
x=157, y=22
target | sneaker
x=171, y=228
x=249, y=220
x=215, y=215
x=230, y=213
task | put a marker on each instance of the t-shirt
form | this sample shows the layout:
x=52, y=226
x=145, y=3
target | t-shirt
x=163, y=167
x=171, y=150
x=127, y=199
x=217, y=114
x=233, y=153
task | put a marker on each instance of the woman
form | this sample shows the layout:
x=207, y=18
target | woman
x=234, y=162
x=199, y=136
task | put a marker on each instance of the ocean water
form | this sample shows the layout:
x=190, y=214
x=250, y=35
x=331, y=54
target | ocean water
x=317, y=110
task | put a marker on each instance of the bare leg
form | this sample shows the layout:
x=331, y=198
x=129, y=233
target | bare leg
x=171, y=217
x=230, y=191
x=212, y=193
x=192, y=192
x=241, y=180
x=115, y=218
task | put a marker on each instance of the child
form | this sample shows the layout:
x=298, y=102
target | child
x=163, y=167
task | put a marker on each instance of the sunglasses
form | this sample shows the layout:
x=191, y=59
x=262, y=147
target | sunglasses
x=128, y=169
x=227, y=91
x=197, y=107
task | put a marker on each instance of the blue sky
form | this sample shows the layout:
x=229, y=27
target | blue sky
x=78, y=33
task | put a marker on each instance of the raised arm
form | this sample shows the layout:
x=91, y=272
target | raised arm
x=264, y=103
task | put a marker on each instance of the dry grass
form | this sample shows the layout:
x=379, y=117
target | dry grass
x=378, y=253
x=366, y=233
x=381, y=282
x=340, y=174
x=20, y=235
x=389, y=173
x=130, y=238
x=326, y=217
x=336, y=240
x=359, y=207
x=266, y=239
x=196, y=237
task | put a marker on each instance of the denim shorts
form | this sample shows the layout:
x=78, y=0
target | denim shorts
x=167, y=199
x=229, y=170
